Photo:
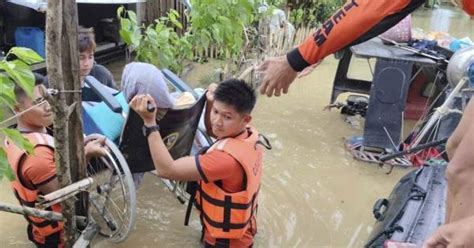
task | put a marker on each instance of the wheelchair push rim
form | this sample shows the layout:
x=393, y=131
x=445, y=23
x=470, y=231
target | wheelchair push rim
x=112, y=203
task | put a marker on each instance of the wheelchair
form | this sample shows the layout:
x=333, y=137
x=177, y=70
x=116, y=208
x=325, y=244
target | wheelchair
x=112, y=201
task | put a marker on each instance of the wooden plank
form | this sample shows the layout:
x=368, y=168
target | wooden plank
x=18, y=209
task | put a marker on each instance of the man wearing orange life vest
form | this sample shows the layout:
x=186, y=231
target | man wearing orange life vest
x=36, y=173
x=361, y=20
x=228, y=173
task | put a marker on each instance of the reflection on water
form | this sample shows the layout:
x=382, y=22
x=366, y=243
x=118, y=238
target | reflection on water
x=313, y=195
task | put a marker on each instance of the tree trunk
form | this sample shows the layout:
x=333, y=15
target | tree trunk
x=63, y=73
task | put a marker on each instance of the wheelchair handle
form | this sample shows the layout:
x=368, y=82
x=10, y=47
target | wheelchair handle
x=379, y=209
x=150, y=107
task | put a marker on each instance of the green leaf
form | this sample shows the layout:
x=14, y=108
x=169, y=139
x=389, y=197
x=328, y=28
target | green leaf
x=177, y=24
x=21, y=74
x=20, y=141
x=5, y=169
x=126, y=37
x=136, y=37
x=120, y=11
x=132, y=16
x=7, y=94
x=174, y=12
x=27, y=55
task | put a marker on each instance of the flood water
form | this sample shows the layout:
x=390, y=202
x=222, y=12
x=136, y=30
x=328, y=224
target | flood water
x=313, y=194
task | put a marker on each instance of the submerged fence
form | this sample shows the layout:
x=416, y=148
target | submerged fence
x=270, y=44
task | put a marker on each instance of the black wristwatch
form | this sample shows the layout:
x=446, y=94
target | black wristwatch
x=148, y=130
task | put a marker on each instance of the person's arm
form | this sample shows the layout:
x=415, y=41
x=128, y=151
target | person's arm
x=40, y=170
x=207, y=115
x=461, y=130
x=459, y=174
x=456, y=234
x=185, y=168
x=353, y=23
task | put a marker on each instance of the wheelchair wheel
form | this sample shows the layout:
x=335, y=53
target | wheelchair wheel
x=112, y=201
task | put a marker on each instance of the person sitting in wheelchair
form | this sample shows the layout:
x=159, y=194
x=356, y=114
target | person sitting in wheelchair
x=36, y=173
x=143, y=78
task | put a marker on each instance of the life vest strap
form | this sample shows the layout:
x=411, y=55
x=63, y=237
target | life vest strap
x=227, y=210
x=43, y=223
x=192, y=186
x=220, y=203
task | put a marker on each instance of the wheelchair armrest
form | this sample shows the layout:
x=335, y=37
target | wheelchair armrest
x=104, y=94
x=178, y=83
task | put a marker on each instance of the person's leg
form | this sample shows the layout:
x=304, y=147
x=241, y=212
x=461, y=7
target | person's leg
x=459, y=174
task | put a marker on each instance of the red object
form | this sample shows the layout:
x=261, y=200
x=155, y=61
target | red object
x=416, y=103
x=418, y=159
x=468, y=6
x=396, y=244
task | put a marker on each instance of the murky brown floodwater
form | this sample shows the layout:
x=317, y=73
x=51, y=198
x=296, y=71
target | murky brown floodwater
x=313, y=195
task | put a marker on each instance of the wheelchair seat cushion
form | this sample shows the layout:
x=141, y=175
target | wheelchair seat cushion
x=99, y=118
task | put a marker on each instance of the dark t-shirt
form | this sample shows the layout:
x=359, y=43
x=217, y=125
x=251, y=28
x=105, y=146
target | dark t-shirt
x=101, y=73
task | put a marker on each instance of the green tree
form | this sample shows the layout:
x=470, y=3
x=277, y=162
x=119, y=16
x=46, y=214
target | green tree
x=15, y=69
x=312, y=13
x=158, y=44
x=221, y=23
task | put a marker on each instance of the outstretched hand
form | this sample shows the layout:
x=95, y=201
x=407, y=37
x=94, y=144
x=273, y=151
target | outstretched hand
x=277, y=76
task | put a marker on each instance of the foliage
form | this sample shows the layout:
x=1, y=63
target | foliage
x=14, y=69
x=221, y=23
x=157, y=44
x=313, y=13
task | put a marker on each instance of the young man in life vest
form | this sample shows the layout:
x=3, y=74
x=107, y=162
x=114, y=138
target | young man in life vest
x=36, y=173
x=228, y=173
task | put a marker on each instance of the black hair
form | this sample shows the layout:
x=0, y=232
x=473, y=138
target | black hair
x=237, y=93
x=20, y=92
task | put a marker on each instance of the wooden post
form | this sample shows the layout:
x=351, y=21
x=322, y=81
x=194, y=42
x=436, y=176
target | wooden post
x=63, y=73
x=153, y=10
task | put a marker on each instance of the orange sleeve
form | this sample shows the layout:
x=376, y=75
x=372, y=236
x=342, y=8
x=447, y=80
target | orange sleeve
x=216, y=165
x=39, y=168
x=353, y=23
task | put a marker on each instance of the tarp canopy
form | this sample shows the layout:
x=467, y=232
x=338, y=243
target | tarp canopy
x=41, y=5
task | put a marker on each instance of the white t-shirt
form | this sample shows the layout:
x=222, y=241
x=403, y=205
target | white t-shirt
x=277, y=20
x=290, y=31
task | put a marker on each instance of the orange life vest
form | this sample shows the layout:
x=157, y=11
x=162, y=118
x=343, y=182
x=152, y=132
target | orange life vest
x=26, y=195
x=228, y=215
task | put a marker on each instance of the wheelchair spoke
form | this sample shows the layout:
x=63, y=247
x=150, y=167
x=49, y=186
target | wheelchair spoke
x=114, y=197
